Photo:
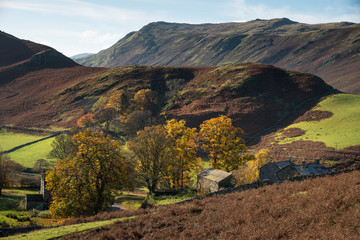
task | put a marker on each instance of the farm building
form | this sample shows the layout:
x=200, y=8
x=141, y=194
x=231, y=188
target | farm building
x=39, y=201
x=281, y=171
x=212, y=180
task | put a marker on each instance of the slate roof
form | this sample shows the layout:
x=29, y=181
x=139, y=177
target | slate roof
x=214, y=174
x=34, y=197
x=308, y=169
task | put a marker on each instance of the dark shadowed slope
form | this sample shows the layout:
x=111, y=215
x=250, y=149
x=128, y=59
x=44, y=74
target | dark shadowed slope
x=331, y=50
x=30, y=74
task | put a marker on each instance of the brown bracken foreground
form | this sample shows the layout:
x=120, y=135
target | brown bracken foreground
x=320, y=208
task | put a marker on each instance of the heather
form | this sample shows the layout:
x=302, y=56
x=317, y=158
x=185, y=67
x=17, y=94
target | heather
x=321, y=208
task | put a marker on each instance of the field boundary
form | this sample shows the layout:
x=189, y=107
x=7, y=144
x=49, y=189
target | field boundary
x=53, y=134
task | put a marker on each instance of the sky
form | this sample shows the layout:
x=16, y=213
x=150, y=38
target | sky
x=88, y=26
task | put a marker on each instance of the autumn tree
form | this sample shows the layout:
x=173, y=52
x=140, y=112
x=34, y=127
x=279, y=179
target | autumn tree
x=4, y=171
x=249, y=172
x=86, y=121
x=185, y=158
x=62, y=147
x=146, y=99
x=136, y=121
x=222, y=142
x=105, y=116
x=42, y=164
x=119, y=101
x=151, y=149
x=82, y=184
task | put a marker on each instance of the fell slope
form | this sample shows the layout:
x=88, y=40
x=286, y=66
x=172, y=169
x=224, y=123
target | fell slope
x=30, y=74
x=255, y=96
x=331, y=51
x=320, y=208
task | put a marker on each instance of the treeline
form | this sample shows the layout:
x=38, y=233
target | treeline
x=92, y=162
x=129, y=144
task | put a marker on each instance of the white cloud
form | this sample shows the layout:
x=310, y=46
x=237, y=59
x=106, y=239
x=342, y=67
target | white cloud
x=91, y=36
x=75, y=8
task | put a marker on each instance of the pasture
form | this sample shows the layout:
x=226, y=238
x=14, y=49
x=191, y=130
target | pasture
x=9, y=140
x=339, y=131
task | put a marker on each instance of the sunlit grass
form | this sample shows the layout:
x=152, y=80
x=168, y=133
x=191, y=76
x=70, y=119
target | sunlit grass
x=58, y=232
x=340, y=130
x=28, y=155
x=9, y=140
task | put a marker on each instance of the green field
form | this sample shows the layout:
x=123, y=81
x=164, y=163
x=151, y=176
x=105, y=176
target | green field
x=340, y=130
x=28, y=155
x=9, y=140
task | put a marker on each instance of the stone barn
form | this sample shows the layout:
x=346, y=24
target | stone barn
x=281, y=171
x=212, y=180
x=39, y=201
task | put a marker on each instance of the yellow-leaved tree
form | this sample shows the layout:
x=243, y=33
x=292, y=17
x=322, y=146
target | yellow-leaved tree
x=222, y=142
x=185, y=159
x=250, y=171
x=145, y=99
x=82, y=184
x=119, y=101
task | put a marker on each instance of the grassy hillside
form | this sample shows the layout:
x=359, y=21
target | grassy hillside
x=321, y=208
x=9, y=140
x=340, y=130
x=28, y=155
x=330, y=51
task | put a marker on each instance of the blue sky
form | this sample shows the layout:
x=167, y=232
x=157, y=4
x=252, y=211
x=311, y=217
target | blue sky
x=78, y=26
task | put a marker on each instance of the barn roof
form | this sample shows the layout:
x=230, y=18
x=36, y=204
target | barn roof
x=307, y=169
x=214, y=174
x=34, y=197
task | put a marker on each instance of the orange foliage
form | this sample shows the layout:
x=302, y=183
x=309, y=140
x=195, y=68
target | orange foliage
x=85, y=121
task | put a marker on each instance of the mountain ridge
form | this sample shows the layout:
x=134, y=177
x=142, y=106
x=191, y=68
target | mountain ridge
x=329, y=50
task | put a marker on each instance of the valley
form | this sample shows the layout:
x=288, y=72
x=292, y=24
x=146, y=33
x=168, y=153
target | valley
x=276, y=88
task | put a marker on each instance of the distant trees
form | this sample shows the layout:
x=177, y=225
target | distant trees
x=119, y=101
x=63, y=147
x=86, y=121
x=82, y=183
x=222, y=142
x=8, y=171
x=123, y=113
x=146, y=99
x=42, y=164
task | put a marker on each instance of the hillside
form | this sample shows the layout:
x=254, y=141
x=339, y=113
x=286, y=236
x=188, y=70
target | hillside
x=255, y=96
x=330, y=51
x=320, y=208
x=30, y=74
x=328, y=131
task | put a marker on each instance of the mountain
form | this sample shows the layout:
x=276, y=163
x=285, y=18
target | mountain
x=81, y=55
x=255, y=96
x=30, y=74
x=331, y=51
x=43, y=88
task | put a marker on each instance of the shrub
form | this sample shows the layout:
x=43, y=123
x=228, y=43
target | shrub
x=44, y=214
